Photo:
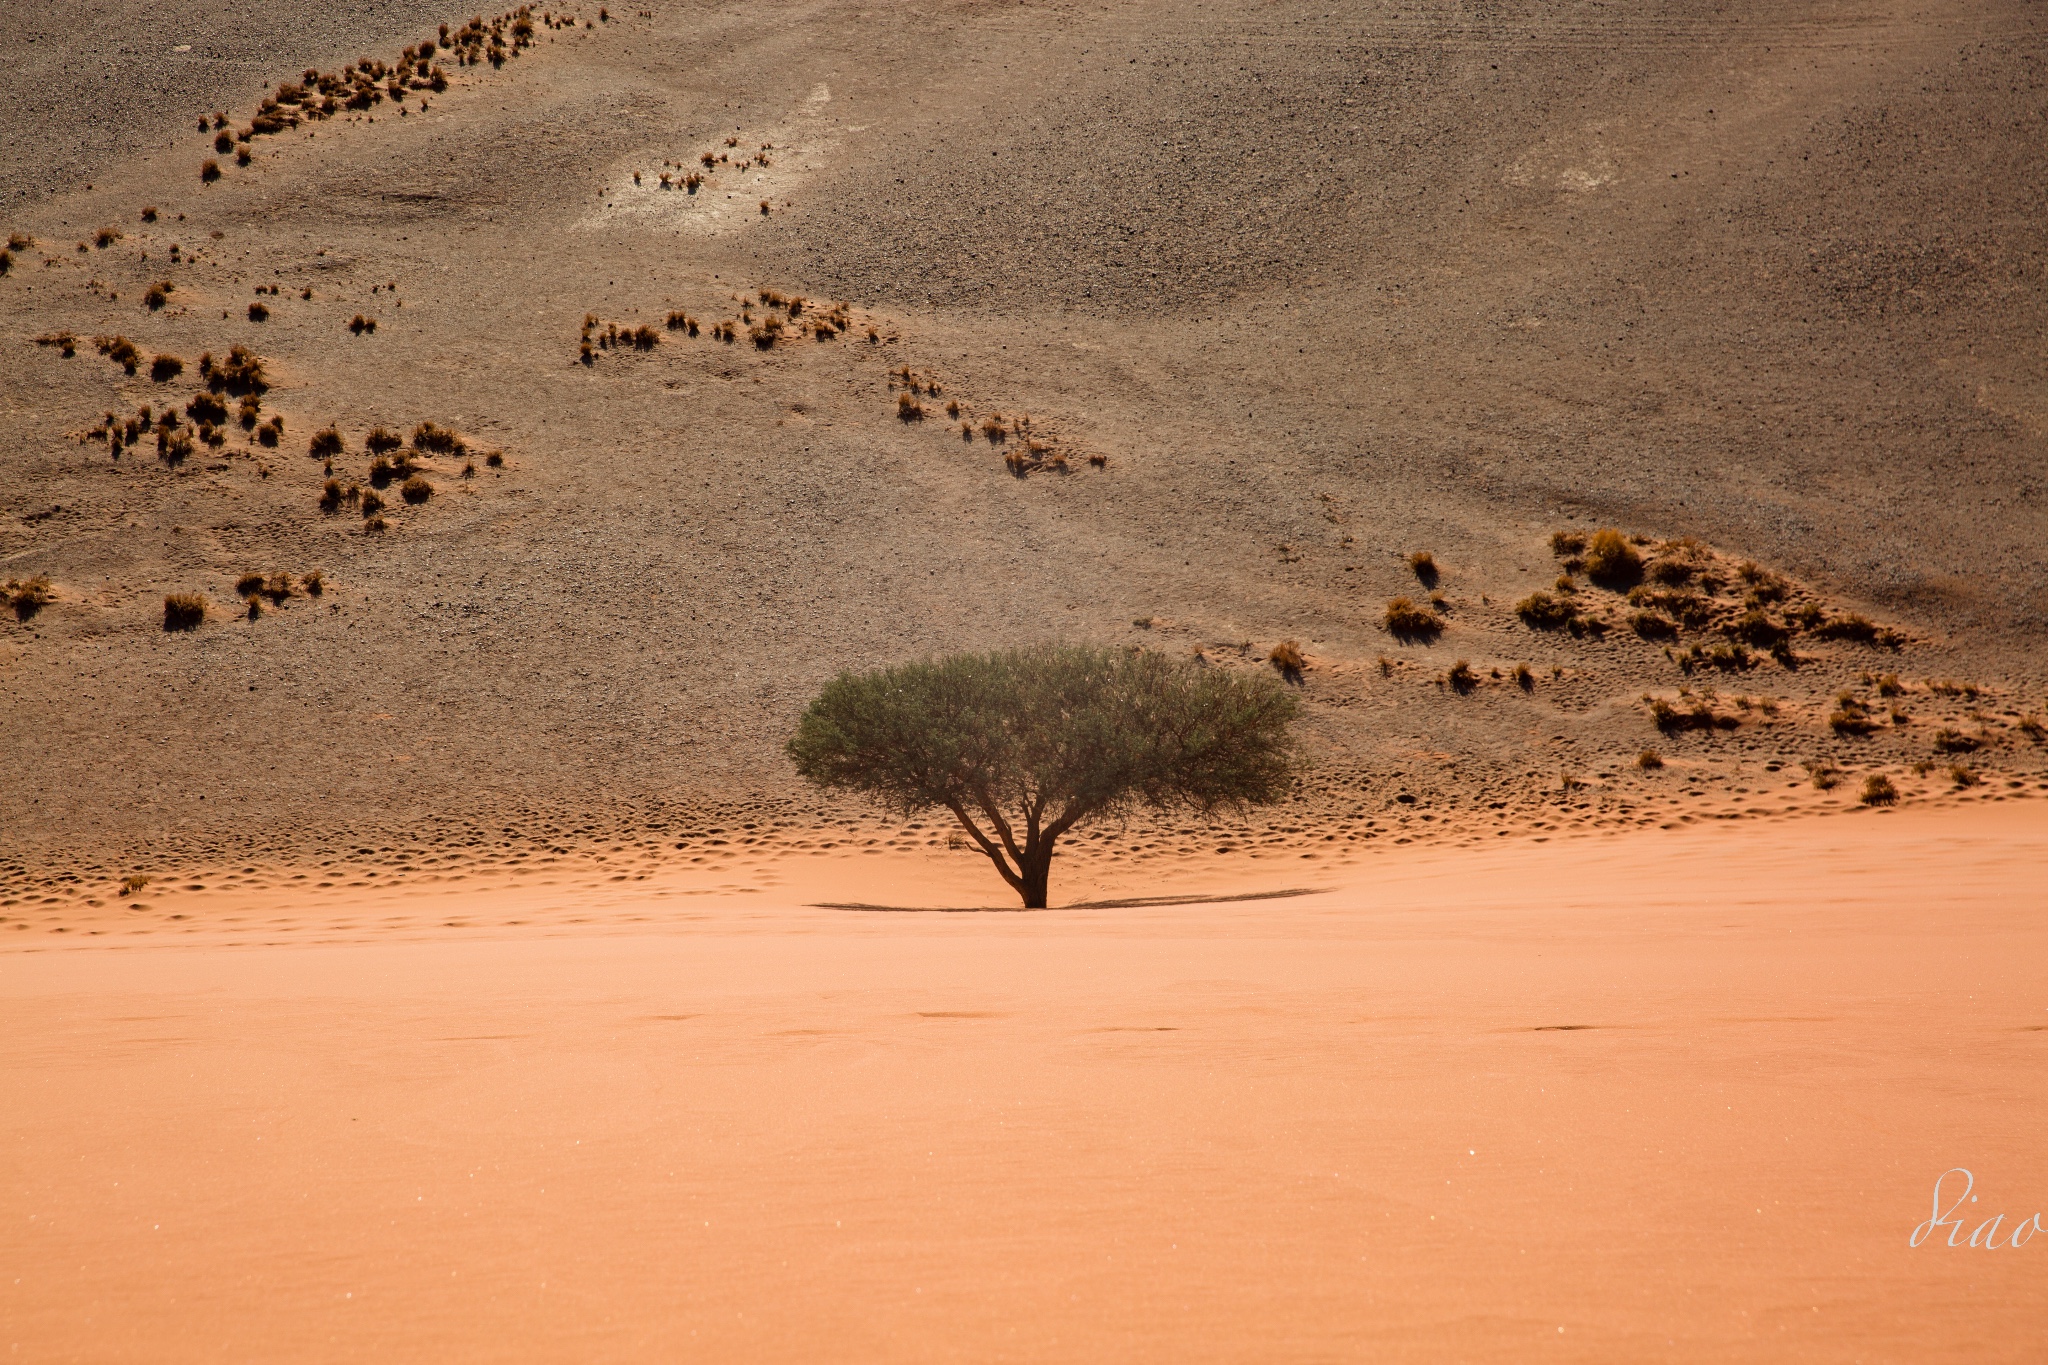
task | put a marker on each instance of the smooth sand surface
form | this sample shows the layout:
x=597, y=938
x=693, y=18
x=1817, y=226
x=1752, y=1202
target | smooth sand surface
x=1659, y=1096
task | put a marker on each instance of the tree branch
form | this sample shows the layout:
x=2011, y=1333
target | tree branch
x=995, y=855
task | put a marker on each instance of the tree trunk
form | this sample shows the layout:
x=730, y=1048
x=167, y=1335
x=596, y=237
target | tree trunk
x=1036, y=872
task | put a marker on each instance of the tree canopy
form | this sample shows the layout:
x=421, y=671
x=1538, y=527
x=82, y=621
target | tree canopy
x=1021, y=745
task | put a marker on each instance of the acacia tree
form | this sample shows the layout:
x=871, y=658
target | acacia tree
x=1024, y=744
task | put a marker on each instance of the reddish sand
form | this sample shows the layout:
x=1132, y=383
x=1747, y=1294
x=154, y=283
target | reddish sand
x=1658, y=1096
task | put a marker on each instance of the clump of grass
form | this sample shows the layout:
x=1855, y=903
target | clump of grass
x=1825, y=776
x=120, y=350
x=1956, y=742
x=1423, y=563
x=1649, y=760
x=1879, y=791
x=1406, y=621
x=1564, y=543
x=330, y=497
x=241, y=373
x=382, y=442
x=1287, y=657
x=28, y=598
x=1851, y=717
x=416, y=490
x=209, y=171
x=1611, y=561
x=1962, y=776
x=1524, y=679
x=204, y=407
x=371, y=505
x=2032, y=728
x=1651, y=626
x=271, y=431
x=149, y=213
x=993, y=429
x=1461, y=678
x=908, y=408
x=258, y=313
x=158, y=294
x=437, y=440
x=184, y=611
x=165, y=368
x=1890, y=686
x=315, y=583
x=360, y=324
x=106, y=237
x=1544, y=611
x=65, y=343
x=326, y=444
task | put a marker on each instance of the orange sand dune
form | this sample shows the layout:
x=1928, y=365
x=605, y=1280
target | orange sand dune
x=1663, y=1096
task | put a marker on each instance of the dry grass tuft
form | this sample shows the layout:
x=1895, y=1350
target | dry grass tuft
x=1956, y=742
x=258, y=313
x=1287, y=657
x=1567, y=543
x=28, y=598
x=360, y=324
x=1825, y=776
x=1879, y=791
x=1461, y=678
x=165, y=368
x=382, y=441
x=330, y=497
x=1542, y=611
x=1407, y=621
x=1611, y=561
x=908, y=409
x=210, y=172
x=371, y=505
x=184, y=611
x=437, y=440
x=106, y=237
x=1424, y=565
x=1649, y=760
x=315, y=583
x=326, y=444
x=206, y=408
x=1962, y=776
x=1524, y=679
x=416, y=490
x=149, y=214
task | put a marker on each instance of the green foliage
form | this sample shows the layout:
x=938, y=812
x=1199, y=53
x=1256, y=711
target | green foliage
x=1031, y=742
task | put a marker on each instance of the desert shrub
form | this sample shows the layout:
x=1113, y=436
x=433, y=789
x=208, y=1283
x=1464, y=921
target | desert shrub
x=240, y=374
x=165, y=368
x=1962, y=776
x=1524, y=679
x=184, y=611
x=430, y=439
x=1956, y=742
x=1286, y=656
x=1649, y=760
x=1850, y=717
x=270, y=431
x=1879, y=791
x=209, y=171
x=1825, y=776
x=1687, y=713
x=1567, y=543
x=28, y=598
x=2032, y=728
x=204, y=407
x=1651, y=626
x=258, y=313
x=1423, y=563
x=1023, y=745
x=908, y=409
x=120, y=350
x=330, y=496
x=1542, y=611
x=371, y=505
x=315, y=583
x=157, y=295
x=645, y=338
x=248, y=585
x=1611, y=561
x=496, y=459
x=416, y=490
x=360, y=324
x=382, y=442
x=1890, y=686
x=1406, y=621
x=1755, y=628
x=1461, y=677
x=326, y=444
